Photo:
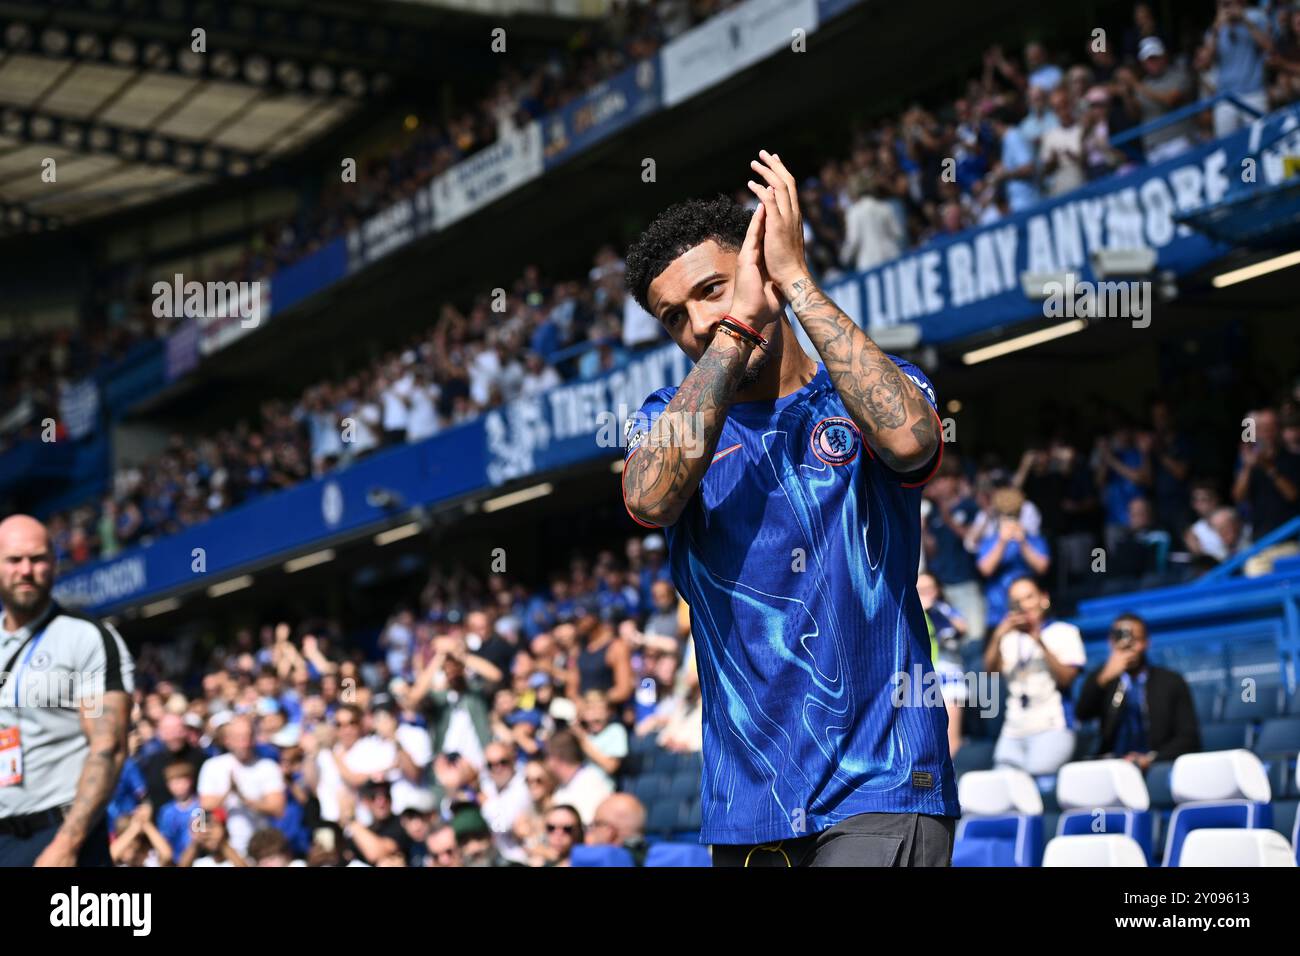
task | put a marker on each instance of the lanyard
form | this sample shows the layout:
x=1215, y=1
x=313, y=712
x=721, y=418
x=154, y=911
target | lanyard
x=33, y=640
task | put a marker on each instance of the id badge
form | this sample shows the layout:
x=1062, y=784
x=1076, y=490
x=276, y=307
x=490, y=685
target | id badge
x=11, y=757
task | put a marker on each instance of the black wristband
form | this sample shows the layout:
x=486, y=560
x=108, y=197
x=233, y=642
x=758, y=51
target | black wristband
x=746, y=333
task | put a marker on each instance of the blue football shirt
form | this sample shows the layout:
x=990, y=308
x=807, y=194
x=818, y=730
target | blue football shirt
x=798, y=556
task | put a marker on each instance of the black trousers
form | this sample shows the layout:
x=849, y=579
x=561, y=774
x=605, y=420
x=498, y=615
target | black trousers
x=868, y=839
x=23, y=851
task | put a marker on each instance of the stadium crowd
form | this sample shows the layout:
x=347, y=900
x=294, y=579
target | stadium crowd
x=488, y=728
x=1015, y=137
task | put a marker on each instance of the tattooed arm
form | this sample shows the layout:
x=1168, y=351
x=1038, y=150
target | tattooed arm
x=661, y=475
x=895, y=419
x=105, y=727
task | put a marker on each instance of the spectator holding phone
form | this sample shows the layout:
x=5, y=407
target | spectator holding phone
x=1146, y=712
x=1010, y=553
x=1039, y=659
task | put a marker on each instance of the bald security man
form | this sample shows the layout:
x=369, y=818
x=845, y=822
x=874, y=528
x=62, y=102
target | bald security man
x=65, y=685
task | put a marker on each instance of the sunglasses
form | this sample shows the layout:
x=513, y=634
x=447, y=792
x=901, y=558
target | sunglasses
x=568, y=828
x=493, y=764
x=534, y=780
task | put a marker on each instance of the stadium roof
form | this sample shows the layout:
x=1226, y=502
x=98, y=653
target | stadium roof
x=115, y=94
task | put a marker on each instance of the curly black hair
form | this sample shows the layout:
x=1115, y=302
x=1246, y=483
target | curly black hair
x=678, y=229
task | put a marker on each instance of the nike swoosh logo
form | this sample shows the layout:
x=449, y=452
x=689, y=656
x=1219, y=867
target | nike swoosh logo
x=725, y=452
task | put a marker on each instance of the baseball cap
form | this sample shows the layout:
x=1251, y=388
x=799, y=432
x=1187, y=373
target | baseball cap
x=653, y=542
x=1149, y=47
x=287, y=736
x=192, y=721
x=467, y=820
x=413, y=800
x=1097, y=96
x=383, y=702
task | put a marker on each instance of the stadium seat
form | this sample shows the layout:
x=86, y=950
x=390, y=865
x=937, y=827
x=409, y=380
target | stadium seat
x=1227, y=789
x=1231, y=848
x=1107, y=849
x=973, y=755
x=683, y=786
x=1002, y=819
x=1284, y=818
x=583, y=855
x=1278, y=735
x=693, y=818
x=1158, y=785
x=1281, y=775
x=1267, y=703
x=1231, y=736
x=1102, y=797
x=1087, y=739
x=1207, y=702
x=678, y=854
x=661, y=816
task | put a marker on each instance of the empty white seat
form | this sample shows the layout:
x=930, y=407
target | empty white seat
x=1220, y=775
x=1089, y=784
x=1221, y=848
x=1105, y=849
x=989, y=793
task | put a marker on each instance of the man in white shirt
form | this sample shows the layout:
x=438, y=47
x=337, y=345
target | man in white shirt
x=507, y=798
x=1061, y=153
x=1039, y=660
x=422, y=407
x=872, y=233
x=394, y=398
x=581, y=784
x=248, y=787
x=538, y=376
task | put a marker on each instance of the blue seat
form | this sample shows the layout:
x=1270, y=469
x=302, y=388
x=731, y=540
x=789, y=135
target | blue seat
x=1010, y=840
x=649, y=787
x=1135, y=824
x=661, y=816
x=1267, y=704
x=1284, y=817
x=583, y=855
x=684, y=786
x=1281, y=775
x=1159, y=785
x=1219, y=815
x=1224, y=736
x=1087, y=738
x=1206, y=700
x=693, y=818
x=974, y=755
x=1278, y=735
x=678, y=854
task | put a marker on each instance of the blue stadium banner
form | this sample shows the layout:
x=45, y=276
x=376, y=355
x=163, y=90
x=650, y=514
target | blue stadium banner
x=309, y=275
x=577, y=421
x=601, y=111
x=572, y=423
x=971, y=282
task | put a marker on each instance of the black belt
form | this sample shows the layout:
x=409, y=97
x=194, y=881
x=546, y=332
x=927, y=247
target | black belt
x=24, y=826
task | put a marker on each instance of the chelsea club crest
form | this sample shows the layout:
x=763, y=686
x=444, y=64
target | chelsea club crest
x=836, y=440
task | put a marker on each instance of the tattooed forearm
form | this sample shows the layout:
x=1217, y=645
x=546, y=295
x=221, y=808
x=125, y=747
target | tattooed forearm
x=664, y=472
x=107, y=735
x=894, y=416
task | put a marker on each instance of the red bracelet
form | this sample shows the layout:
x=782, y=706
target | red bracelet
x=744, y=325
